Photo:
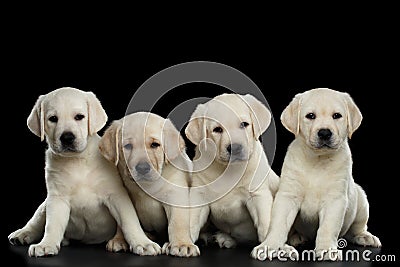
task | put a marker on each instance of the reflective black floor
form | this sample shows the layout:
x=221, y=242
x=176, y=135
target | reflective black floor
x=84, y=255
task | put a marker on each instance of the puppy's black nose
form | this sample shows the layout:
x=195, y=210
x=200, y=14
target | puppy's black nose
x=142, y=167
x=67, y=138
x=324, y=134
x=234, y=149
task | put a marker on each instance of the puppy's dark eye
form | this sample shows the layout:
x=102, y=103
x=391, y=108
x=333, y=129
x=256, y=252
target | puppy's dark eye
x=244, y=124
x=79, y=117
x=217, y=130
x=310, y=116
x=128, y=146
x=154, y=145
x=336, y=116
x=53, y=119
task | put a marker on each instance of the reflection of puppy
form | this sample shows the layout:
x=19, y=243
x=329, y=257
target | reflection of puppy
x=229, y=126
x=81, y=184
x=142, y=146
x=317, y=185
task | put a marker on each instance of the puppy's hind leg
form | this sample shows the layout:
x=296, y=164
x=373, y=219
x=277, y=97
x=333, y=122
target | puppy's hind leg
x=358, y=233
x=33, y=230
x=206, y=238
x=117, y=243
x=224, y=240
x=295, y=239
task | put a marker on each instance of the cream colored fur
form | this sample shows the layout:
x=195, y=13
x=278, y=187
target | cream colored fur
x=129, y=142
x=85, y=199
x=243, y=213
x=317, y=194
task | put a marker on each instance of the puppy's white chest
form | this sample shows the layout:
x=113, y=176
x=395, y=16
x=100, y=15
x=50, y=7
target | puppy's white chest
x=70, y=178
x=320, y=185
x=316, y=186
x=311, y=205
x=84, y=196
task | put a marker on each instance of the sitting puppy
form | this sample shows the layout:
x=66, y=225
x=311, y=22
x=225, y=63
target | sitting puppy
x=85, y=195
x=233, y=183
x=317, y=191
x=143, y=146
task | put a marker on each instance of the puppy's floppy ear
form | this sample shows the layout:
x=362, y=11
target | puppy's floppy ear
x=173, y=143
x=260, y=115
x=35, y=120
x=97, y=117
x=290, y=117
x=196, y=130
x=354, y=116
x=109, y=143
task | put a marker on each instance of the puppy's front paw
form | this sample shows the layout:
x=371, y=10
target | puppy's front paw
x=263, y=252
x=259, y=252
x=116, y=245
x=367, y=239
x=180, y=249
x=23, y=237
x=43, y=249
x=224, y=240
x=148, y=248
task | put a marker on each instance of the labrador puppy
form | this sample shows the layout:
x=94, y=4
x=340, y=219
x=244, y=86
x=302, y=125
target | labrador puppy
x=144, y=146
x=233, y=183
x=317, y=191
x=81, y=183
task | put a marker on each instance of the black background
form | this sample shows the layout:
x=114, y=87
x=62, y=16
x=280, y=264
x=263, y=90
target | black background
x=42, y=55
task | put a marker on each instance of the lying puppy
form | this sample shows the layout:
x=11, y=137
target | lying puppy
x=317, y=191
x=85, y=195
x=143, y=146
x=232, y=180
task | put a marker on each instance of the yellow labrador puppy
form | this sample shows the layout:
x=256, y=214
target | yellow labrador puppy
x=233, y=183
x=317, y=191
x=143, y=146
x=81, y=184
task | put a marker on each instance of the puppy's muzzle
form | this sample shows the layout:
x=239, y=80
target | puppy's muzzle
x=235, y=151
x=142, y=168
x=324, y=134
x=324, y=138
x=67, y=140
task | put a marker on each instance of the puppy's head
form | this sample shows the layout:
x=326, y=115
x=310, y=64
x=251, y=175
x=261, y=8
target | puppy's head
x=323, y=117
x=142, y=143
x=66, y=117
x=232, y=122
